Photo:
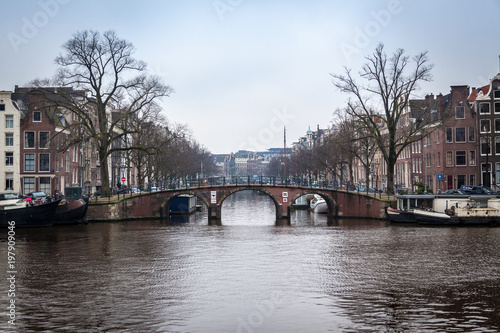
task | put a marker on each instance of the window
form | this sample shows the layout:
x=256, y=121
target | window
x=472, y=179
x=472, y=134
x=439, y=159
x=29, y=184
x=44, y=162
x=496, y=93
x=461, y=180
x=438, y=134
x=497, y=145
x=485, y=126
x=9, y=121
x=497, y=107
x=61, y=119
x=2, y=107
x=9, y=139
x=45, y=185
x=460, y=158
x=449, y=134
x=460, y=134
x=460, y=112
x=449, y=158
x=484, y=108
x=428, y=160
x=29, y=162
x=43, y=139
x=472, y=157
x=9, y=159
x=29, y=139
x=497, y=173
x=66, y=163
x=485, y=146
x=37, y=116
x=9, y=181
x=497, y=125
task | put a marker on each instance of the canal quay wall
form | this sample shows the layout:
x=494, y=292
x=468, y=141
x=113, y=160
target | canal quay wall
x=154, y=205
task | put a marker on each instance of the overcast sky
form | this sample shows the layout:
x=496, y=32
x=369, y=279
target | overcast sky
x=242, y=69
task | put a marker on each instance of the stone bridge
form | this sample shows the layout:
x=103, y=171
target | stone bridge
x=156, y=204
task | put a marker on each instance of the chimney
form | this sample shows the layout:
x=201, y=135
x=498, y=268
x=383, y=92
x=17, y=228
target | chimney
x=440, y=102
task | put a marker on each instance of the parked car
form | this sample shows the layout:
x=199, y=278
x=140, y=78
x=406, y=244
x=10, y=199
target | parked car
x=453, y=192
x=470, y=189
x=8, y=196
x=36, y=195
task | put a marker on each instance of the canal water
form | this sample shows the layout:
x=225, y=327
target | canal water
x=249, y=275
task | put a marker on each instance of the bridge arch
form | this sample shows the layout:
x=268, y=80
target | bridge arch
x=164, y=208
x=275, y=200
x=330, y=201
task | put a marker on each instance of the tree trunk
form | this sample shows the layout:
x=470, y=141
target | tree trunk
x=105, y=189
x=390, y=174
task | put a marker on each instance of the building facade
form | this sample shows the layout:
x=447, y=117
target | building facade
x=10, y=146
x=485, y=103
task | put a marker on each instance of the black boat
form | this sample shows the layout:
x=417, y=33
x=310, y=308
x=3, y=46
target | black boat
x=71, y=211
x=41, y=215
x=400, y=216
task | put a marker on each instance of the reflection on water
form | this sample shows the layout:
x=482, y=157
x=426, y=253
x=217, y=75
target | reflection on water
x=249, y=275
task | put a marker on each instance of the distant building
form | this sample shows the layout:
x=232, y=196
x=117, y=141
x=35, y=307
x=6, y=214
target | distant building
x=10, y=149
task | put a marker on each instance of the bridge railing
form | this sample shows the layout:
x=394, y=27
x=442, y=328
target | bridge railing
x=186, y=183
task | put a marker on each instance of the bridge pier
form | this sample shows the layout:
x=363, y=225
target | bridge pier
x=282, y=222
x=214, y=215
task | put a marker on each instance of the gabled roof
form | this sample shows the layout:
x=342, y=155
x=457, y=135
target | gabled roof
x=475, y=92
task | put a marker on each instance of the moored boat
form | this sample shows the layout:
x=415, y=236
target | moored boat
x=446, y=210
x=318, y=205
x=400, y=216
x=71, y=211
x=23, y=215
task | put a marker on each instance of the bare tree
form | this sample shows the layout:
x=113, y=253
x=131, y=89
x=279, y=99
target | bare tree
x=355, y=141
x=103, y=66
x=388, y=84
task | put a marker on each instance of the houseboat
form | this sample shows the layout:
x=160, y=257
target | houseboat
x=463, y=210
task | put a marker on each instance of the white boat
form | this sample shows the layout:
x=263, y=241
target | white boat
x=318, y=204
x=11, y=202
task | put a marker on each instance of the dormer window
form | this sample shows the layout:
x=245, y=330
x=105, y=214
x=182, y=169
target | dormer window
x=459, y=112
x=37, y=116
